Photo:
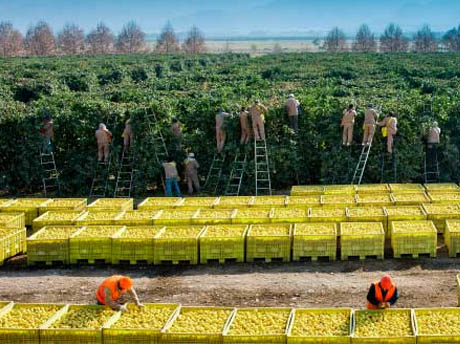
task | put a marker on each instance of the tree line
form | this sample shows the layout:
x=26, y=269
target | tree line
x=71, y=40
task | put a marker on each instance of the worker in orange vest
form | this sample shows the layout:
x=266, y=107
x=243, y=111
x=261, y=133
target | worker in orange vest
x=111, y=289
x=382, y=294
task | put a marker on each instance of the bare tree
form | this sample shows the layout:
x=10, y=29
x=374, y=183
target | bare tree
x=40, y=40
x=131, y=39
x=277, y=49
x=11, y=40
x=393, y=40
x=425, y=41
x=452, y=39
x=365, y=40
x=335, y=40
x=100, y=40
x=194, y=43
x=168, y=41
x=71, y=40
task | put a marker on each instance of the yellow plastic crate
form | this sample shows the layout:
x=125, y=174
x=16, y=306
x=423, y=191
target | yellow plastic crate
x=439, y=213
x=438, y=325
x=258, y=326
x=136, y=218
x=197, y=325
x=307, y=190
x=320, y=326
x=339, y=189
x=12, y=220
x=64, y=204
x=373, y=189
x=212, y=216
x=232, y=202
x=134, y=245
x=289, y=215
x=4, y=203
x=303, y=201
x=111, y=204
x=8, y=238
x=327, y=215
x=175, y=245
x=406, y=188
x=50, y=245
x=251, y=216
x=140, y=325
x=174, y=217
x=27, y=206
x=268, y=201
x=389, y=326
x=368, y=214
x=223, y=243
x=160, y=203
x=442, y=187
x=92, y=244
x=268, y=242
x=16, y=328
x=196, y=203
x=444, y=198
x=458, y=289
x=339, y=200
x=401, y=199
x=452, y=237
x=314, y=240
x=99, y=218
x=374, y=200
x=53, y=218
x=362, y=240
x=414, y=238
x=96, y=317
x=406, y=213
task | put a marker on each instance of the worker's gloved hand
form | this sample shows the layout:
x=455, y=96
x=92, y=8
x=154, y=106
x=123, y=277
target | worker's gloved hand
x=123, y=308
x=140, y=305
x=386, y=305
x=382, y=306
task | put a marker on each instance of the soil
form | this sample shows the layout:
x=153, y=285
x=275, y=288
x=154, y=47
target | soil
x=422, y=283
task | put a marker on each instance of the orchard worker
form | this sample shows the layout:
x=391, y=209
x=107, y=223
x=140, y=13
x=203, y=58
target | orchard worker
x=257, y=112
x=172, y=177
x=245, y=127
x=348, y=121
x=176, y=132
x=111, y=289
x=292, y=109
x=47, y=133
x=433, y=137
x=127, y=136
x=191, y=173
x=389, y=129
x=382, y=294
x=370, y=121
x=103, y=137
x=221, y=133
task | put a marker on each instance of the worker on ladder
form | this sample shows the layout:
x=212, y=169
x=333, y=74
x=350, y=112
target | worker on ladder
x=245, y=127
x=292, y=109
x=257, y=112
x=47, y=133
x=389, y=129
x=103, y=137
x=221, y=133
x=191, y=173
x=370, y=121
x=172, y=177
x=127, y=136
x=347, y=123
x=176, y=133
x=433, y=137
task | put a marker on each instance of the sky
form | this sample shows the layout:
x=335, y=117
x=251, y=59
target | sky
x=236, y=17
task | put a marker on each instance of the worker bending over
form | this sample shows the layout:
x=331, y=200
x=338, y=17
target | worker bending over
x=245, y=128
x=257, y=112
x=127, y=136
x=111, y=289
x=191, y=173
x=292, y=109
x=348, y=121
x=221, y=133
x=389, y=129
x=370, y=121
x=103, y=137
x=382, y=294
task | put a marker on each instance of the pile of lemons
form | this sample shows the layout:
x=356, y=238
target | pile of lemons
x=87, y=318
x=56, y=233
x=225, y=231
x=365, y=211
x=200, y=321
x=98, y=231
x=361, y=228
x=317, y=324
x=181, y=232
x=390, y=323
x=269, y=230
x=259, y=322
x=140, y=232
x=315, y=229
x=144, y=318
x=28, y=316
x=437, y=322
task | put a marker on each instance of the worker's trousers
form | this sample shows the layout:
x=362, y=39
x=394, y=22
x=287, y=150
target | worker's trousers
x=170, y=183
x=220, y=137
x=103, y=152
x=46, y=145
x=294, y=122
x=369, y=131
x=390, y=142
x=258, y=126
x=128, y=140
x=245, y=134
x=347, y=134
x=192, y=181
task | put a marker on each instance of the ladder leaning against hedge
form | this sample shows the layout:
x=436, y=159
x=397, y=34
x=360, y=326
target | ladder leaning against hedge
x=50, y=178
x=262, y=168
x=125, y=176
x=215, y=173
x=362, y=163
x=236, y=175
x=101, y=179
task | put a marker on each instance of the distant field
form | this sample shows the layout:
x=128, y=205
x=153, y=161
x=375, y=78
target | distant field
x=262, y=47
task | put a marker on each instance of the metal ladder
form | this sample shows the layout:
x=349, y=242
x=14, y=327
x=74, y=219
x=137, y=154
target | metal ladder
x=262, y=167
x=236, y=175
x=159, y=144
x=431, y=169
x=101, y=178
x=362, y=163
x=388, y=167
x=125, y=176
x=215, y=173
x=50, y=178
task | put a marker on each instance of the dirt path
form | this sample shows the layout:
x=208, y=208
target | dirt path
x=422, y=283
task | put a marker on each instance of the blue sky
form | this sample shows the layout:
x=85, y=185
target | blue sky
x=236, y=16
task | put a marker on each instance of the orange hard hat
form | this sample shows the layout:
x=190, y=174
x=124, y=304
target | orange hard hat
x=125, y=283
x=386, y=282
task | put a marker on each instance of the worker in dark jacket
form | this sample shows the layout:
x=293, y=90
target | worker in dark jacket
x=382, y=294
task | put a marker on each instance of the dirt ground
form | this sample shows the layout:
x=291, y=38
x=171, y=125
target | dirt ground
x=422, y=283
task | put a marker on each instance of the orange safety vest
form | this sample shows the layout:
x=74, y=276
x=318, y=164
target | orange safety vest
x=379, y=295
x=112, y=284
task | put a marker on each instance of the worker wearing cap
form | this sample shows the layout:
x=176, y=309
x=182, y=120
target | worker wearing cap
x=292, y=109
x=127, y=136
x=347, y=123
x=221, y=133
x=257, y=112
x=389, y=129
x=47, y=133
x=245, y=127
x=370, y=121
x=382, y=294
x=191, y=173
x=103, y=137
x=111, y=289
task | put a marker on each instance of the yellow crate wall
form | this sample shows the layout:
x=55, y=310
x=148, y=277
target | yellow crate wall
x=232, y=202
x=12, y=220
x=307, y=190
x=452, y=237
x=441, y=187
x=6, y=244
x=458, y=289
x=407, y=242
x=27, y=206
x=401, y=198
x=289, y=215
x=111, y=204
x=418, y=213
x=438, y=214
x=317, y=338
x=174, y=217
x=444, y=198
x=438, y=338
x=303, y=201
x=64, y=204
x=362, y=245
x=314, y=245
x=224, y=248
x=251, y=216
x=268, y=248
x=211, y=216
x=51, y=218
